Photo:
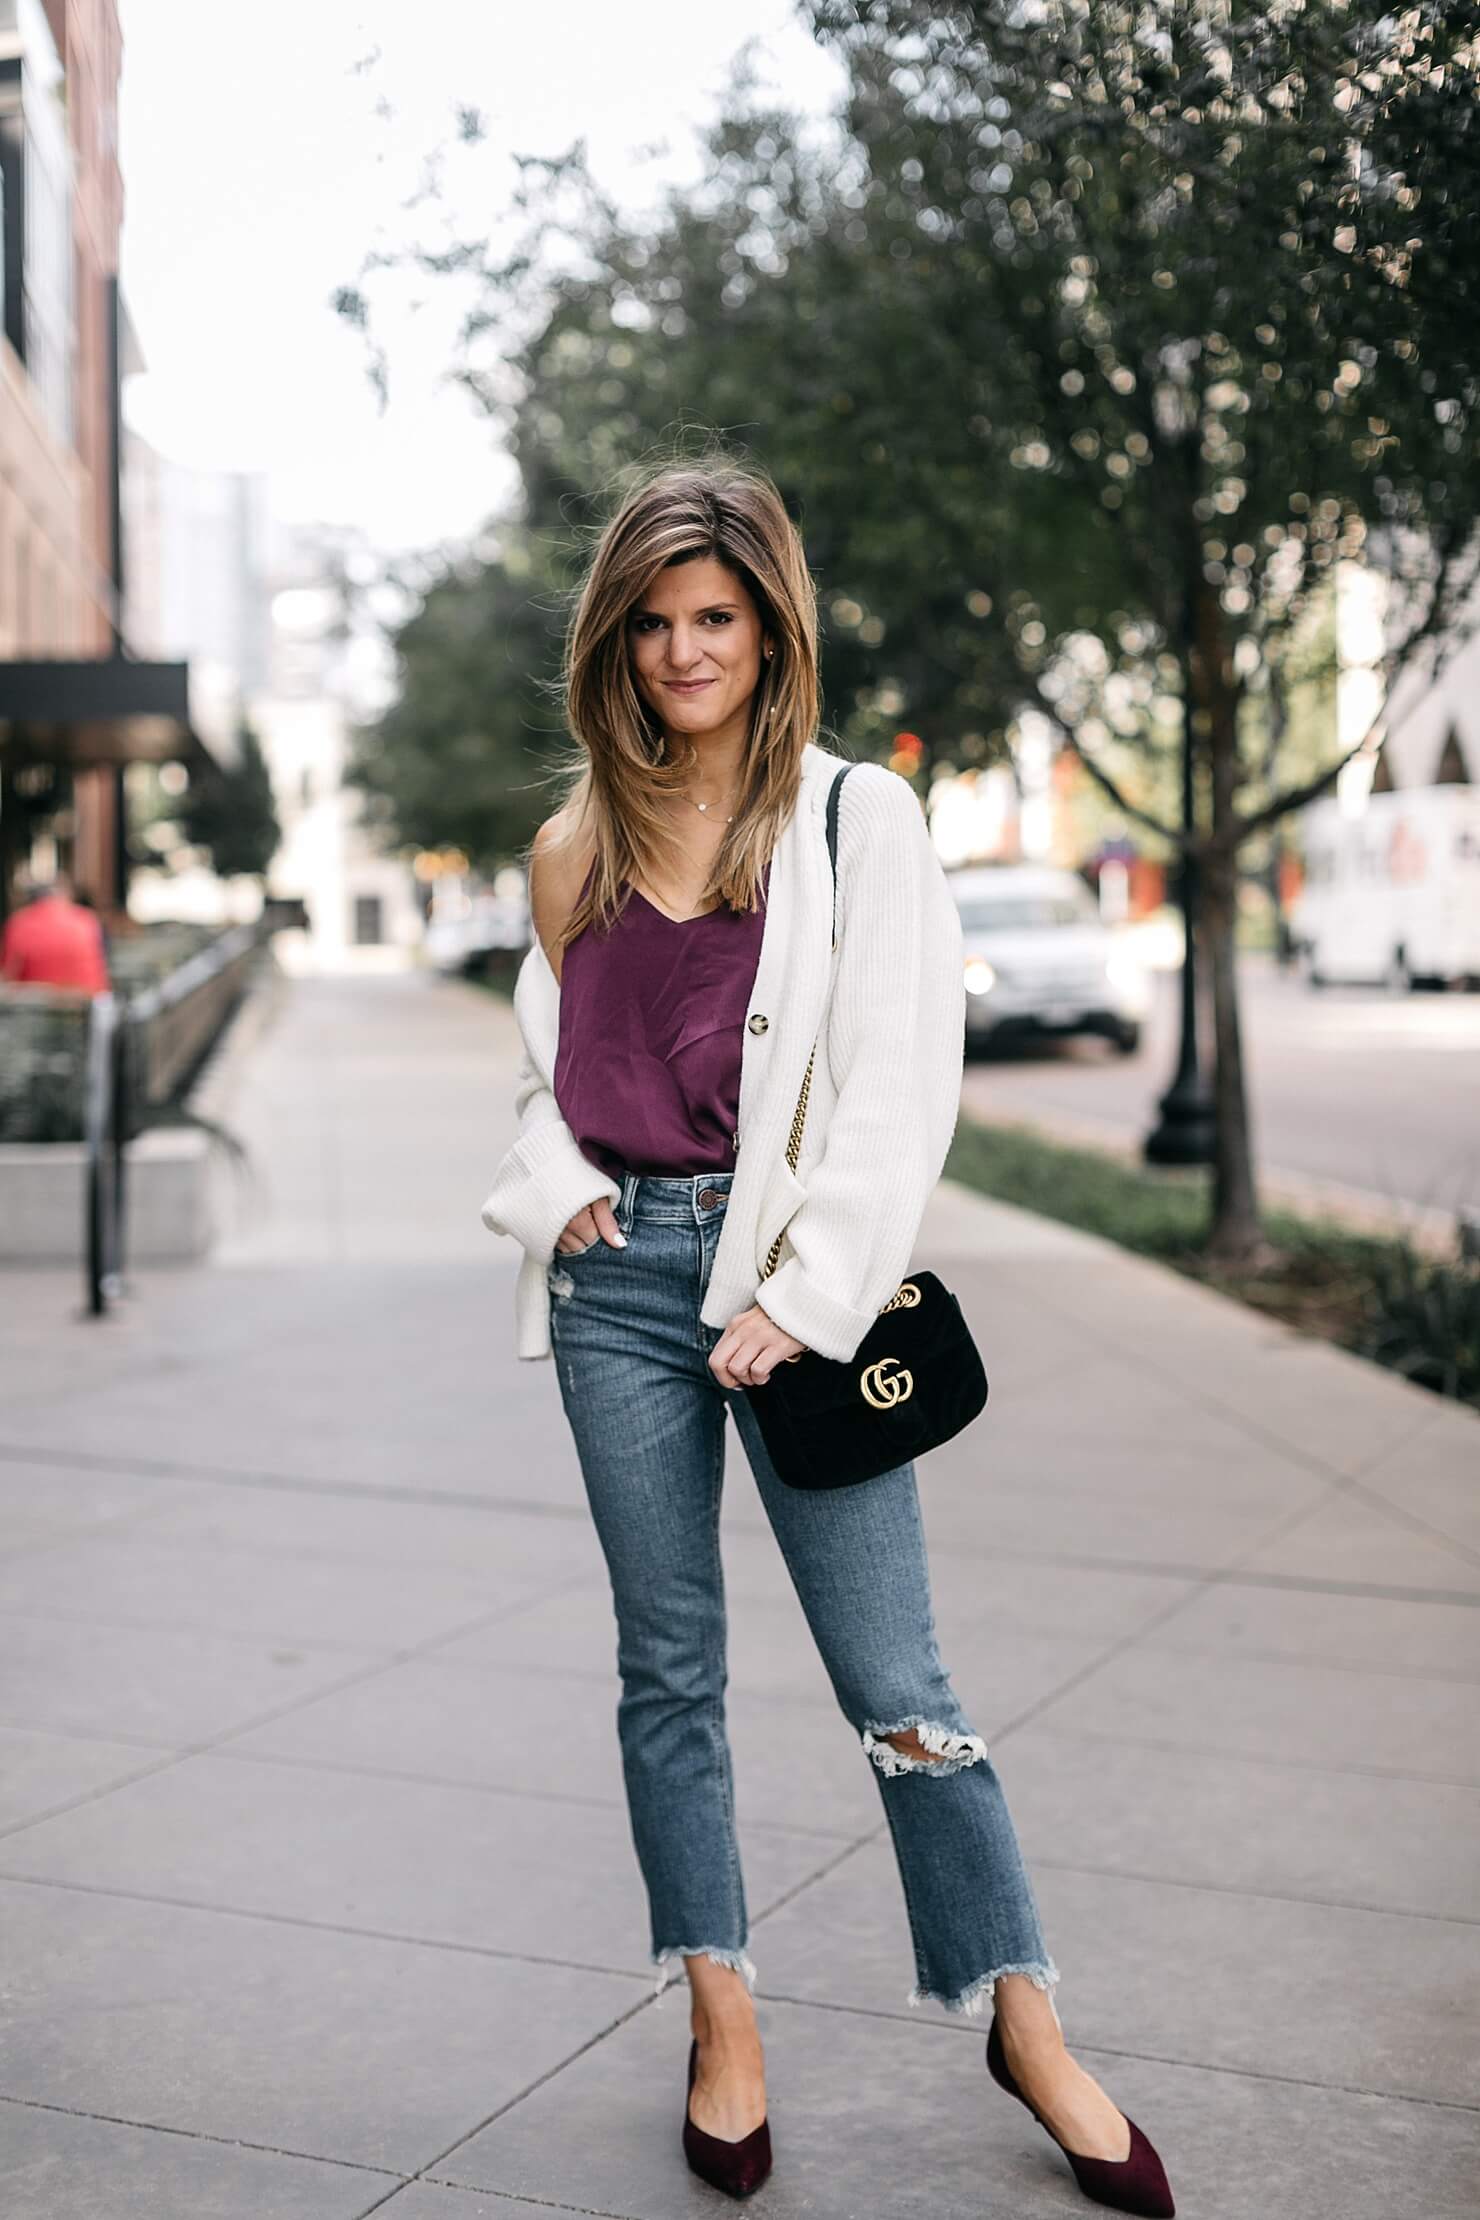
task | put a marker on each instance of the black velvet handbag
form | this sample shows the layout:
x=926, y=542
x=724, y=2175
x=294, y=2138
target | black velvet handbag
x=915, y=1380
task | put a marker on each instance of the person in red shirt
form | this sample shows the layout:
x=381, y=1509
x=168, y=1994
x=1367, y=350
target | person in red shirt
x=55, y=942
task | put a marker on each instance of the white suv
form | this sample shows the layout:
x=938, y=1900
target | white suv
x=1038, y=959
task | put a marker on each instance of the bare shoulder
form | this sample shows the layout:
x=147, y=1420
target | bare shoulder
x=558, y=861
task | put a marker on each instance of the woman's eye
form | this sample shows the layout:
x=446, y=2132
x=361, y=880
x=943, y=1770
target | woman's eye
x=714, y=616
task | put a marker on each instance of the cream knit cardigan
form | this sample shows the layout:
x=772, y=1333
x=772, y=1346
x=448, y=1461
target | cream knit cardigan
x=887, y=1010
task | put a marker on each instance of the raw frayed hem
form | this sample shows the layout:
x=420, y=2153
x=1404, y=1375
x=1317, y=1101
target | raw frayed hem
x=951, y=1751
x=971, y=2000
x=664, y=1960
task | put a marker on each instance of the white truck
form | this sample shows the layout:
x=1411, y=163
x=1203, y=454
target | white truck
x=1392, y=890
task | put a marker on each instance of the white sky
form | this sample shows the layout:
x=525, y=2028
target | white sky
x=257, y=171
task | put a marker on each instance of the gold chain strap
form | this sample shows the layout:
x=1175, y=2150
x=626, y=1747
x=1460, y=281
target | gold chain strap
x=793, y=1152
x=906, y=1296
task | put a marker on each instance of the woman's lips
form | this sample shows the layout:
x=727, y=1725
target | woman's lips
x=687, y=685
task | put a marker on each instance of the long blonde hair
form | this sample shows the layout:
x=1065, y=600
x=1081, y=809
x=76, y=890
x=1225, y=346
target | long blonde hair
x=622, y=771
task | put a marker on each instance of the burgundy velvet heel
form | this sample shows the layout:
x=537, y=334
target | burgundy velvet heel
x=1135, y=2184
x=736, y=2168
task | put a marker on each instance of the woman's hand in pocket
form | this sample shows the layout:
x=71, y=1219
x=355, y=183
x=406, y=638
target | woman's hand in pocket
x=597, y=1222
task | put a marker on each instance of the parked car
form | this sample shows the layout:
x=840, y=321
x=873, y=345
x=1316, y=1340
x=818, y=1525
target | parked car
x=1039, y=961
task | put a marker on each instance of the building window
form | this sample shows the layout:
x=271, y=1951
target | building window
x=369, y=931
x=36, y=181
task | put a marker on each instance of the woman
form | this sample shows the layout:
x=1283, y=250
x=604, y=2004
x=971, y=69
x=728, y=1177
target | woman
x=681, y=970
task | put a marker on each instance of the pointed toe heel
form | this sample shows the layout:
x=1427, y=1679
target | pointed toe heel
x=736, y=2168
x=1136, y=2184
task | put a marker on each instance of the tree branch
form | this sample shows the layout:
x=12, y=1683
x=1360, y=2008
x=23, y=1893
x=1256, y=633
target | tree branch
x=1122, y=801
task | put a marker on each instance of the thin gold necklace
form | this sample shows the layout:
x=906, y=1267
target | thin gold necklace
x=705, y=807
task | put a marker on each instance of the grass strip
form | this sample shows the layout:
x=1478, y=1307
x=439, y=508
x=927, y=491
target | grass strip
x=1371, y=1294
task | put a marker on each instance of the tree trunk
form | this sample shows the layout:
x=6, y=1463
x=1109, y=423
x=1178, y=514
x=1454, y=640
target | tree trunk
x=1236, y=1236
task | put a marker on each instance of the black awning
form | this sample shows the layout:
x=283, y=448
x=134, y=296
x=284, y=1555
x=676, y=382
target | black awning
x=112, y=710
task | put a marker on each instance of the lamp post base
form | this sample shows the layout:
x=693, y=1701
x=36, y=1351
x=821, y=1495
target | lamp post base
x=1187, y=1130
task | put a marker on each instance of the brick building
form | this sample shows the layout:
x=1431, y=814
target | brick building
x=76, y=706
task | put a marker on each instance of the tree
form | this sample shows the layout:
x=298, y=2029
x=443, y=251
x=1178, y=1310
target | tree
x=1096, y=342
x=1213, y=257
x=231, y=812
x=462, y=755
x=746, y=308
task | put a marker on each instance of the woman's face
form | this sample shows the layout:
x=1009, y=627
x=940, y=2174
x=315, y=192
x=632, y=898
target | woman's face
x=696, y=645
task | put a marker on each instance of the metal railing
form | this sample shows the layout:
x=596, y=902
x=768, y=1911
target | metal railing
x=103, y=1139
x=141, y=1054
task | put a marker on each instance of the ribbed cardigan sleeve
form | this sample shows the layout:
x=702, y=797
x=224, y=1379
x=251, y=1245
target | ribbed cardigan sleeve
x=894, y=1039
x=543, y=1180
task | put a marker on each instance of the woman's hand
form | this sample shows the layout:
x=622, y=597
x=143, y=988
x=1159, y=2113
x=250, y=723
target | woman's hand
x=597, y=1221
x=750, y=1348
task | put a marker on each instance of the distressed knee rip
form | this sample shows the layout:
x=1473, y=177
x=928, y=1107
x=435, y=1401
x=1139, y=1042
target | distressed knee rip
x=917, y=1746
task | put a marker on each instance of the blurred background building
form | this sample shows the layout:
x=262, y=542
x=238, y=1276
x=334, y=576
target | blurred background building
x=270, y=618
x=325, y=669
x=76, y=707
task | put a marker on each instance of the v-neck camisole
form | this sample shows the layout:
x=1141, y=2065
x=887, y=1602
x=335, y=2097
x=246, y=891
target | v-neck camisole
x=652, y=1015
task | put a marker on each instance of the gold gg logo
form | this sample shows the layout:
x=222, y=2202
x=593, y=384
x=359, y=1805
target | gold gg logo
x=884, y=1389
x=905, y=1297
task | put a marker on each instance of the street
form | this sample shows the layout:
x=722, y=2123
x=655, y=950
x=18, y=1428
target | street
x=317, y=1878
x=1352, y=1089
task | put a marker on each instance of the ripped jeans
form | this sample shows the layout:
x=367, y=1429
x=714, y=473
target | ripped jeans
x=648, y=1417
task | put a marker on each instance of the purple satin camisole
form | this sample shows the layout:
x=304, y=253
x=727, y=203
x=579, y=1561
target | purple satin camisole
x=652, y=1012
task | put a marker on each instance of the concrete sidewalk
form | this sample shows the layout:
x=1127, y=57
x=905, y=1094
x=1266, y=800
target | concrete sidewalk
x=318, y=1892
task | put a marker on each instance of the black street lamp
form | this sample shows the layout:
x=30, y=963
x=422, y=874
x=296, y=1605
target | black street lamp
x=1186, y=1128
